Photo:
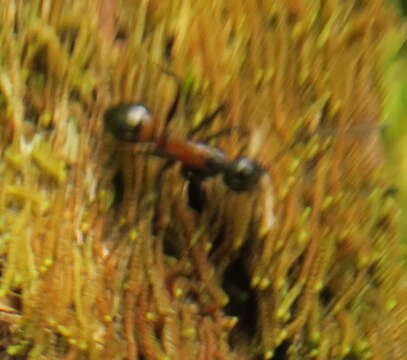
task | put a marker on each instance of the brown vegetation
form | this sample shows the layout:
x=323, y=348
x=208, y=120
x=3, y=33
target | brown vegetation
x=101, y=257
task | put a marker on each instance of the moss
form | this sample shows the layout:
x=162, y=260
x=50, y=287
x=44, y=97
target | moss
x=101, y=256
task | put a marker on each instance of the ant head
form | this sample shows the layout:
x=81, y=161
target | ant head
x=126, y=120
x=242, y=174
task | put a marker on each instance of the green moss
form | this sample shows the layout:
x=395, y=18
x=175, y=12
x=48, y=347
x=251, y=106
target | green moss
x=102, y=256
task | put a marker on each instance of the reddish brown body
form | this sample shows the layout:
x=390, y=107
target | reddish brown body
x=134, y=123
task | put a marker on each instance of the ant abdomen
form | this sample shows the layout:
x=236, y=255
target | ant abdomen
x=242, y=174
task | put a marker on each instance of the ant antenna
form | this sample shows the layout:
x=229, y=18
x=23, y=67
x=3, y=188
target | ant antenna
x=355, y=131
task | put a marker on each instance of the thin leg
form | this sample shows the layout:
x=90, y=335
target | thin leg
x=225, y=132
x=207, y=120
x=174, y=105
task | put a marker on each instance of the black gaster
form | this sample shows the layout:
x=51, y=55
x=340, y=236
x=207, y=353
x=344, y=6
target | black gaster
x=242, y=174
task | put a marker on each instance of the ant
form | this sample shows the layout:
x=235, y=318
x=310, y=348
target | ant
x=133, y=122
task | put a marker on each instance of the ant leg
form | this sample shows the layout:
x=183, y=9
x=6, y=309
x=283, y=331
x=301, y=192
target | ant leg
x=207, y=120
x=204, y=123
x=225, y=132
x=196, y=195
x=158, y=222
x=173, y=108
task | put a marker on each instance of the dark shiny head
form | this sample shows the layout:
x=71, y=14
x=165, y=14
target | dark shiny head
x=242, y=174
x=126, y=120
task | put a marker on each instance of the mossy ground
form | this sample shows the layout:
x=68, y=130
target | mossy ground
x=101, y=256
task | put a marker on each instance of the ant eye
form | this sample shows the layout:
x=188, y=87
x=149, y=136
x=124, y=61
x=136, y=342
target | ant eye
x=242, y=175
x=125, y=120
